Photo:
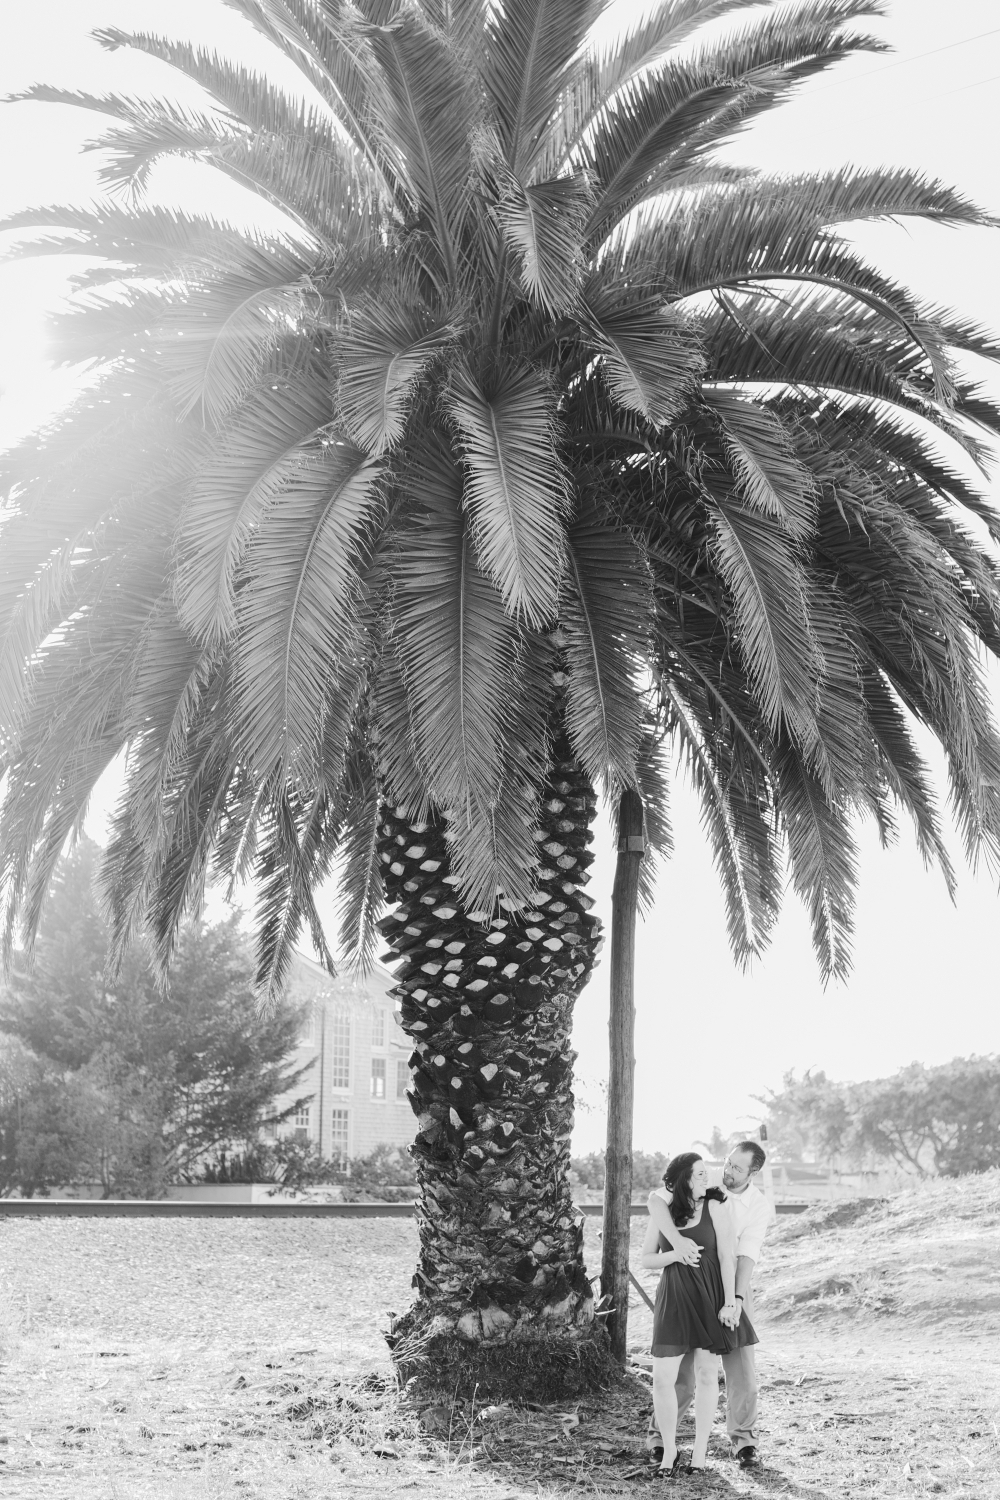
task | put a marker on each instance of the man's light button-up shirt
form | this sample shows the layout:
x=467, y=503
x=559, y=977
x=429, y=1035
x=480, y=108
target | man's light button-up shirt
x=751, y=1215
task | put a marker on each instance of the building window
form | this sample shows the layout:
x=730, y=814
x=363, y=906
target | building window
x=338, y=1135
x=301, y=1117
x=340, y=1050
x=378, y=1028
x=402, y=1078
x=307, y=1036
x=270, y=1129
x=378, y=1077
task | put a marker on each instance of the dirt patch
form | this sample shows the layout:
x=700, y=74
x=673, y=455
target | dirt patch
x=822, y=1217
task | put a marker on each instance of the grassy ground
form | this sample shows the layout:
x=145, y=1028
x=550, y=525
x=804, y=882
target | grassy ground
x=214, y=1359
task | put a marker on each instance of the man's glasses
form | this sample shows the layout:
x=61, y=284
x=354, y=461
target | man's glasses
x=736, y=1171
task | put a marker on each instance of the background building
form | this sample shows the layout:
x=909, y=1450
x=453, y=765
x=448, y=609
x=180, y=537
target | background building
x=357, y=1051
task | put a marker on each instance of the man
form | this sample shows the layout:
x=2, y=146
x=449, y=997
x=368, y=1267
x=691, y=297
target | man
x=751, y=1217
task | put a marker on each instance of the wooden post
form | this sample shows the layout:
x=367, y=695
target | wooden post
x=621, y=1079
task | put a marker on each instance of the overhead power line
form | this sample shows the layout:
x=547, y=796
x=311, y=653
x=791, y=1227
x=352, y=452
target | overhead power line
x=905, y=61
x=963, y=88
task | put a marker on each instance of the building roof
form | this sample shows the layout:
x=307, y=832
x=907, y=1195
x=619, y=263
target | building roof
x=310, y=981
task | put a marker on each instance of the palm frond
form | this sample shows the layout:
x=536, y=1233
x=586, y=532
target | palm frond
x=598, y=75
x=180, y=887
x=298, y=637
x=393, y=737
x=906, y=774
x=361, y=883
x=529, y=49
x=763, y=574
x=893, y=443
x=748, y=920
x=226, y=330
x=72, y=727
x=252, y=99
x=666, y=119
x=633, y=144
x=319, y=187
x=770, y=478
x=823, y=861
x=432, y=113
x=515, y=488
x=850, y=194
x=292, y=154
x=771, y=58
x=605, y=621
x=804, y=343
x=332, y=52
x=177, y=698
x=385, y=349
x=650, y=356
x=543, y=224
x=256, y=461
x=152, y=241
x=294, y=845
x=734, y=240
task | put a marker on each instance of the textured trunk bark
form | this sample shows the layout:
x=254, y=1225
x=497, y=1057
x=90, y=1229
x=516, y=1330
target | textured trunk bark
x=621, y=1078
x=504, y=1305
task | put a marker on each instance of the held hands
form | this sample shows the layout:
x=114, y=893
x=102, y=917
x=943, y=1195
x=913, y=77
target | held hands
x=729, y=1314
x=688, y=1252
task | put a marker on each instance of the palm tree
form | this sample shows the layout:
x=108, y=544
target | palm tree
x=536, y=443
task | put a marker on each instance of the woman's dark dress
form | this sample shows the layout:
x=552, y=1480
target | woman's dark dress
x=688, y=1299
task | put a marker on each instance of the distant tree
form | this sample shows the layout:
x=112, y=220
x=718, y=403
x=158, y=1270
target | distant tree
x=59, y=1004
x=588, y=1170
x=48, y=1122
x=717, y=1144
x=942, y=1121
x=115, y=1084
x=808, y=1117
x=647, y=1171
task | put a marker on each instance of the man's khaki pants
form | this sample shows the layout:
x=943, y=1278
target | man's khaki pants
x=740, y=1369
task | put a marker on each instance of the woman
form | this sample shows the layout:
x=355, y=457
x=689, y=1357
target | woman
x=696, y=1306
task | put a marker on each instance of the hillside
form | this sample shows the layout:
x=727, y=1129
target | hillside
x=929, y=1256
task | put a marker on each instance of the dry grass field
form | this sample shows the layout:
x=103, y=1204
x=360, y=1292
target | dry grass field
x=214, y=1359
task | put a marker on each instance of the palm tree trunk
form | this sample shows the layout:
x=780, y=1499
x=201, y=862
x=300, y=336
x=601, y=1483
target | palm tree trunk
x=504, y=1305
x=621, y=1078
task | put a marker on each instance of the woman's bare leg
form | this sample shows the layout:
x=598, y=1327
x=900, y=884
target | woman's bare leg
x=706, y=1400
x=665, y=1404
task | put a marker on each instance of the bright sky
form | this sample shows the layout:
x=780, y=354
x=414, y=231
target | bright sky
x=708, y=1037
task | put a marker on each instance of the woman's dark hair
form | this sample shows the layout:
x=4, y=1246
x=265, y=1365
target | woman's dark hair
x=677, y=1179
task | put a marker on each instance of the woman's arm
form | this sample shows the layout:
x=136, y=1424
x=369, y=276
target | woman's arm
x=685, y=1249
x=652, y=1256
x=726, y=1241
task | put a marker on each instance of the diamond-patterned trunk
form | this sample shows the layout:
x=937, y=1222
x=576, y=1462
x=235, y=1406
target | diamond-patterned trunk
x=503, y=1297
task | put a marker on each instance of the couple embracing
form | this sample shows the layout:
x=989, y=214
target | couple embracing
x=707, y=1240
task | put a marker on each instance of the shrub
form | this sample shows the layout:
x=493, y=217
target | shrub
x=385, y=1175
